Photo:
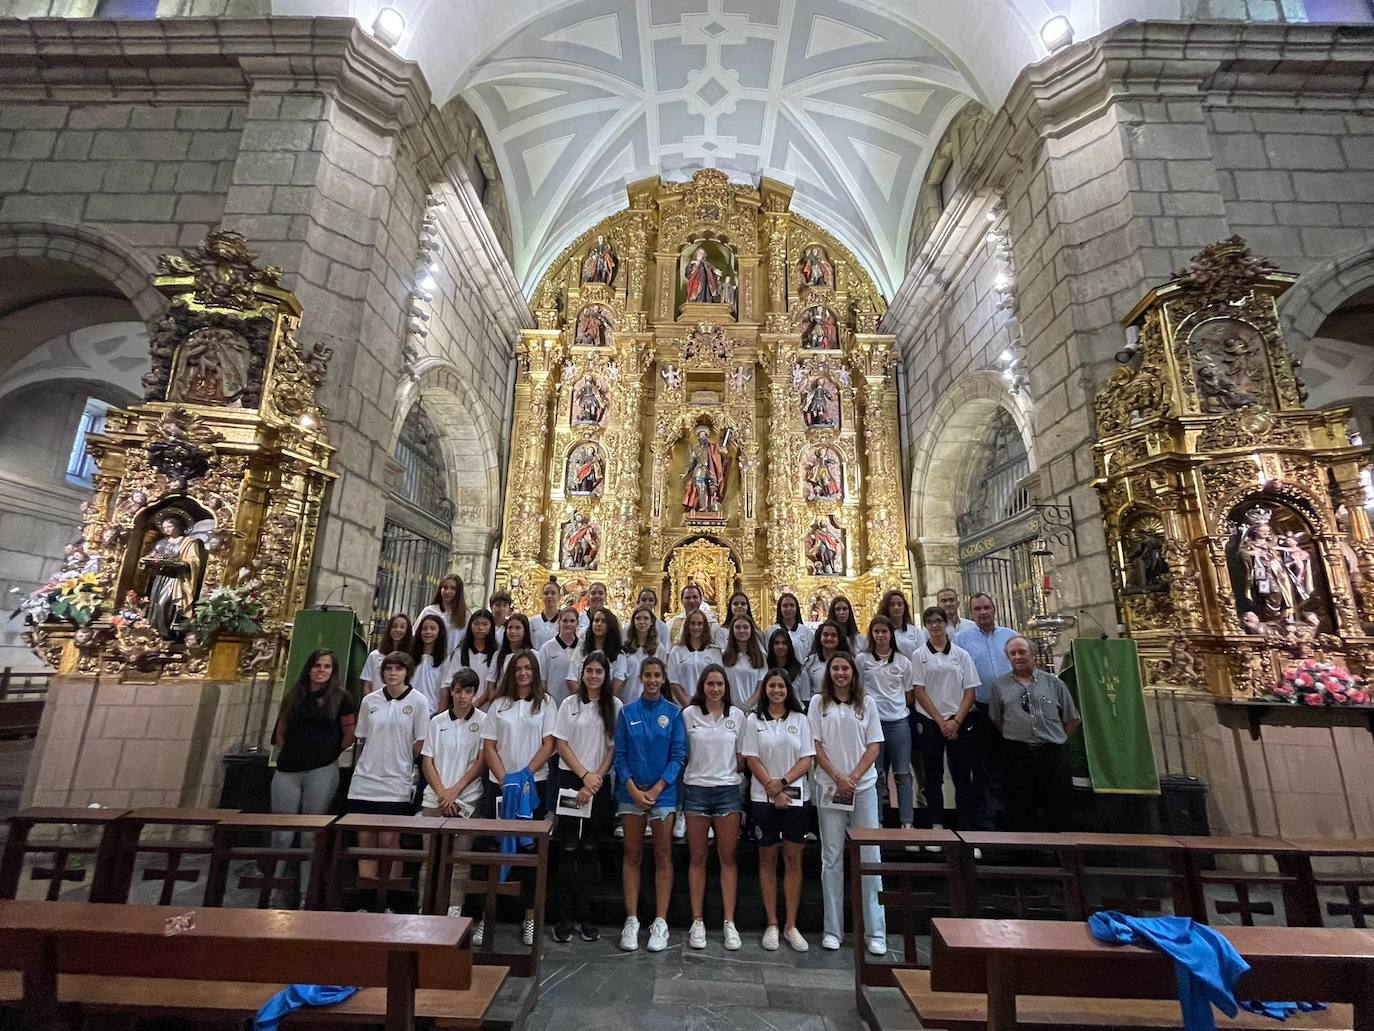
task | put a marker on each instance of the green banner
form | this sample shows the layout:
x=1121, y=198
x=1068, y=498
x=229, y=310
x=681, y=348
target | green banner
x=1104, y=676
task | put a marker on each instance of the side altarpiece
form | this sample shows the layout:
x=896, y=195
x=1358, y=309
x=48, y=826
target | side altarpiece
x=706, y=398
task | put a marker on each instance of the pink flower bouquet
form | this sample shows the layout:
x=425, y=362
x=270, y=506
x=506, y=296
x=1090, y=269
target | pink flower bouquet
x=1314, y=682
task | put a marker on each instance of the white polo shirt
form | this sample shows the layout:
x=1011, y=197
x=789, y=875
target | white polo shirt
x=908, y=640
x=428, y=678
x=542, y=631
x=845, y=736
x=555, y=660
x=778, y=744
x=712, y=747
x=372, y=671
x=722, y=637
x=518, y=732
x=389, y=727
x=809, y=683
x=886, y=683
x=454, y=745
x=483, y=665
x=685, y=665
x=803, y=638
x=945, y=676
x=675, y=628
x=579, y=724
x=743, y=679
x=453, y=633
x=633, y=662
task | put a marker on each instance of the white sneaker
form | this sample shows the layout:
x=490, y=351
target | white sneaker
x=977, y=853
x=809, y=836
x=455, y=910
x=629, y=934
x=934, y=848
x=478, y=933
x=910, y=848
x=877, y=947
x=710, y=832
x=527, y=931
x=658, y=935
x=770, y=938
x=795, y=939
x=830, y=942
x=680, y=826
x=696, y=934
x=732, y=942
x=619, y=831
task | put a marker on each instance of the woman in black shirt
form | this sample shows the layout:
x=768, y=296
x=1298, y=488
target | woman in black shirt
x=316, y=723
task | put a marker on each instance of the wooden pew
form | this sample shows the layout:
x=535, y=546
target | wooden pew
x=1139, y=861
x=1045, y=888
x=345, y=851
x=167, y=838
x=131, y=958
x=229, y=845
x=1280, y=864
x=1351, y=884
x=1005, y=959
x=63, y=834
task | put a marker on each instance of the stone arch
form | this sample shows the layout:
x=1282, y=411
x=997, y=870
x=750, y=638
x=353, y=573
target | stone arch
x=472, y=455
x=953, y=432
x=1319, y=292
x=103, y=253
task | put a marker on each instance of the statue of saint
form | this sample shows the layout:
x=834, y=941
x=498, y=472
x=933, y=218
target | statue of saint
x=705, y=475
x=178, y=560
x=703, y=278
x=820, y=404
x=586, y=471
x=821, y=475
x=581, y=543
x=214, y=368
x=825, y=548
x=589, y=405
x=816, y=269
x=600, y=263
x=593, y=328
x=1269, y=589
x=1148, y=568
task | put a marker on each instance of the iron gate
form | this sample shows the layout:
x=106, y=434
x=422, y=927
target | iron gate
x=408, y=574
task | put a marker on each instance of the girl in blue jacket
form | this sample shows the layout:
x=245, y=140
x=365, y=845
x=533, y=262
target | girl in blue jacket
x=650, y=750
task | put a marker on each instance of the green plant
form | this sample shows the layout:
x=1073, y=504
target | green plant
x=228, y=610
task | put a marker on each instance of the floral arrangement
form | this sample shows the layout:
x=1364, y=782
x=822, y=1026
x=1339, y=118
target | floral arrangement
x=229, y=610
x=130, y=615
x=1314, y=683
x=74, y=595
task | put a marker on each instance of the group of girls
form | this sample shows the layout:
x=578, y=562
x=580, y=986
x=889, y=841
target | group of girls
x=656, y=724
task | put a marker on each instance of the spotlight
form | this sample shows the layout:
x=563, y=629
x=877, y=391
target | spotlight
x=389, y=26
x=1132, y=347
x=1056, y=33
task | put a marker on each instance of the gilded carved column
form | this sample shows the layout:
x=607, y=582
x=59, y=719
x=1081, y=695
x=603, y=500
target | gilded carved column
x=535, y=356
x=877, y=362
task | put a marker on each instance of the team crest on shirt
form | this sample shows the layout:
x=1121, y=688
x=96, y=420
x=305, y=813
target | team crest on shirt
x=663, y=722
x=791, y=730
x=729, y=724
x=408, y=710
x=473, y=727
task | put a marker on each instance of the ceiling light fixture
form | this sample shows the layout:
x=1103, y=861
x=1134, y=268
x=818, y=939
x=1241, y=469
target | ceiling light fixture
x=1057, y=33
x=389, y=26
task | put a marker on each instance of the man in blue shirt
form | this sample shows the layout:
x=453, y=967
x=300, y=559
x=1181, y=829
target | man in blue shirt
x=987, y=643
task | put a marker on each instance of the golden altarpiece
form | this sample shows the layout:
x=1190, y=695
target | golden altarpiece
x=209, y=491
x=706, y=398
x=1235, y=516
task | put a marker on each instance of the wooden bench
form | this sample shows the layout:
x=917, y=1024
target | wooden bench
x=235, y=840
x=166, y=839
x=1046, y=888
x=1131, y=863
x=1281, y=864
x=961, y=1011
x=1005, y=959
x=75, y=842
x=1350, y=884
x=345, y=851
x=151, y=958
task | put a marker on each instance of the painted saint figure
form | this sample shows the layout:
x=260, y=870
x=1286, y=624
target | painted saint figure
x=589, y=403
x=215, y=368
x=1268, y=588
x=600, y=263
x=821, y=475
x=703, y=278
x=581, y=543
x=819, y=331
x=178, y=562
x=586, y=471
x=816, y=269
x=593, y=328
x=705, y=475
x=729, y=294
x=825, y=548
x=820, y=404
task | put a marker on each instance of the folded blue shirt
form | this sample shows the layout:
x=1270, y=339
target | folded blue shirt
x=298, y=996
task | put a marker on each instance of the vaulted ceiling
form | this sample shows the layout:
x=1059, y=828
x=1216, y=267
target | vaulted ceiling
x=844, y=99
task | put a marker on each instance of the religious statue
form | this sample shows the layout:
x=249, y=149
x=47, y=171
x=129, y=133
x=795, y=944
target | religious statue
x=216, y=368
x=593, y=327
x=820, y=404
x=1230, y=365
x=177, y=561
x=819, y=330
x=822, y=475
x=590, y=402
x=1297, y=563
x=825, y=548
x=600, y=263
x=1260, y=571
x=816, y=269
x=1147, y=571
x=586, y=476
x=581, y=543
x=705, y=475
x=703, y=279
x=729, y=294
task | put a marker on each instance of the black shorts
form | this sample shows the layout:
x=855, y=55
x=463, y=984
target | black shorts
x=774, y=824
x=368, y=808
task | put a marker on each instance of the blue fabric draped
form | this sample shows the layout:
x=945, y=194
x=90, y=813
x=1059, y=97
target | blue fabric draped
x=297, y=996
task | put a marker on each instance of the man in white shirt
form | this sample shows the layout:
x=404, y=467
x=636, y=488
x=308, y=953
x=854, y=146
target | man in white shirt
x=987, y=643
x=948, y=599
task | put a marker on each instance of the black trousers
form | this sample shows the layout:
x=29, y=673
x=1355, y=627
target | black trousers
x=578, y=873
x=1038, y=777
x=933, y=748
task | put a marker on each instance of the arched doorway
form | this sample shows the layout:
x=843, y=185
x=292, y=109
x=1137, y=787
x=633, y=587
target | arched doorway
x=75, y=346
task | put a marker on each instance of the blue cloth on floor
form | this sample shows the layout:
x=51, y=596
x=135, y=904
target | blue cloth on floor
x=1207, y=965
x=1280, y=1010
x=519, y=794
x=297, y=996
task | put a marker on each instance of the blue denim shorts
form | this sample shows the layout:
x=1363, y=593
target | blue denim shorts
x=655, y=814
x=717, y=801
